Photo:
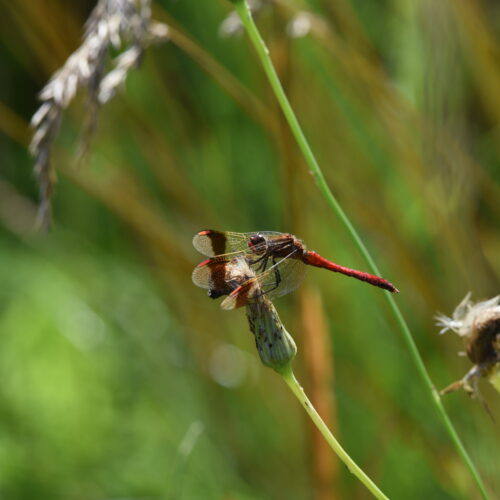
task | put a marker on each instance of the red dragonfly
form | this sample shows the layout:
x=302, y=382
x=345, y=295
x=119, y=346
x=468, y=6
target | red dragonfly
x=245, y=266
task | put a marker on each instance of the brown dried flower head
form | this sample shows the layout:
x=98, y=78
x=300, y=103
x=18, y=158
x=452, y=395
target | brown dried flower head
x=479, y=326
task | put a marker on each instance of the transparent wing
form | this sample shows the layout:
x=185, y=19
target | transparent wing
x=209, y=272
x=222, y=274
x=281, y=277
x=212, y=243
x=292, y=273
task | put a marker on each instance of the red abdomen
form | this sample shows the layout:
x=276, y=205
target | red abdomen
x=314, y=259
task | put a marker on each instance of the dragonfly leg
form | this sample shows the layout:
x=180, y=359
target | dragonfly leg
x=263, y=266
x=264, y=258
x=276, y=274
x=276, y=283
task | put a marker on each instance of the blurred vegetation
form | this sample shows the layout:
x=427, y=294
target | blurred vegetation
x=120, y=379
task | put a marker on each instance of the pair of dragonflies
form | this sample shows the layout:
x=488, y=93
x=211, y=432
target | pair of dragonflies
x=245, y=266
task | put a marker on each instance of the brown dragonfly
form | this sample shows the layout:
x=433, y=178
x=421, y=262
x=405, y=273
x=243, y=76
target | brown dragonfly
x=244, y=266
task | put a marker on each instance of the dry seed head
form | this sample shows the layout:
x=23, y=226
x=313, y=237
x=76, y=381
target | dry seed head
x=479, y=326
x=123, y=24
x=466, y=314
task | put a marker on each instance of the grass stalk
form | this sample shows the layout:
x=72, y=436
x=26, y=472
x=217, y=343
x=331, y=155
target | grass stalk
x=298, y=391
x=277, y=350
x=244, y=13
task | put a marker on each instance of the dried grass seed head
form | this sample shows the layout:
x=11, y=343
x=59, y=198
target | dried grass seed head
x=478, y=324
x=122, y=24
x=466, y=314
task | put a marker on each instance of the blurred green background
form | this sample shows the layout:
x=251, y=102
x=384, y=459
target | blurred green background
x=120, y=379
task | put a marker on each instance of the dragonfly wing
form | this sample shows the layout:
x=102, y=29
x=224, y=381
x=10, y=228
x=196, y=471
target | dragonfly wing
x=242, y=295
x=212, y=243
x=280, y=278
x=210, y=273
x=292, y=272
x=221, y=275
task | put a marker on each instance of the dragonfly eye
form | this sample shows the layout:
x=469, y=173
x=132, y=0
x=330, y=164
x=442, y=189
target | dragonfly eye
x=256, y=239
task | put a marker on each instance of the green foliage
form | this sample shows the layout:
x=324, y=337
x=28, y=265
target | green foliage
x=112, y=363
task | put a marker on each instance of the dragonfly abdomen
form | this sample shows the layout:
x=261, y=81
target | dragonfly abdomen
x=314, y=259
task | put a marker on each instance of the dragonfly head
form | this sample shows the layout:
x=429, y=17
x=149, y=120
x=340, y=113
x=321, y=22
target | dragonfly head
x=256, y=239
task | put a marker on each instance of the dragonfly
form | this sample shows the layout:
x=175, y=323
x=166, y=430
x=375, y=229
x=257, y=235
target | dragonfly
x=245, y=266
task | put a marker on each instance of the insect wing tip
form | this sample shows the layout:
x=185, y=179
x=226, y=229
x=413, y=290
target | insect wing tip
x=200, y=274
x=194, y=276
x=228, y=303
x=236, y=298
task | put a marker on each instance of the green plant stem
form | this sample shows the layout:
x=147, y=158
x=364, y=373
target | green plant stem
x=296, y=388
x=244, y=13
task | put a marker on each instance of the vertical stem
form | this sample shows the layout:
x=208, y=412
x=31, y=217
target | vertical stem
x=296, y=388
x=243, y=11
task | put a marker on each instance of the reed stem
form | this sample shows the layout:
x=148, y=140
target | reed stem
x=245, y=15
x=298, y=391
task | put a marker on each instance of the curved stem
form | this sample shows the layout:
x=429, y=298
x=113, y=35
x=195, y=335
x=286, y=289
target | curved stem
x=292, y=382
x=244, y=13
